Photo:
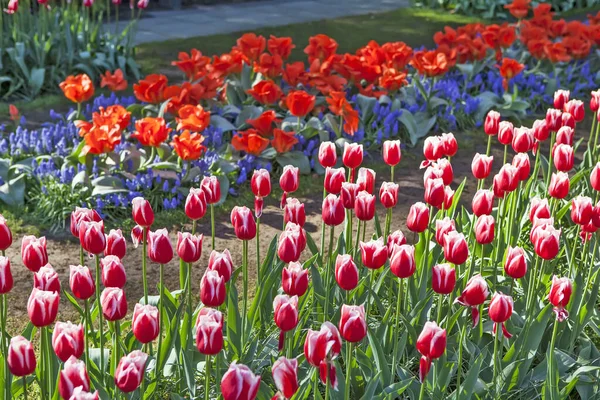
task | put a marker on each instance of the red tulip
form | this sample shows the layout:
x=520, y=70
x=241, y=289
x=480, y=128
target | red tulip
x=285, y=309
x=442, y=227
x=559, y=185
x=484, y=229
x=212, y=189
x=189, y=247
x=91, y=236
x=567, y=120
x=285, y=376
x=195, y=204
x=333, y=213
x=21, y=357
x=539, y=209
x=67, y=340
x=521, y=163
x=73, y=375
x=290, y=243
x=353, y=155
x=431, y=343
x=500, y=310
x=322, y=345
x=561, y=97
x=239, y=383
x=353, y=326
x=481, y=166
x=596, y=216
x=145, y=323
x=392, y=153
x=130, y=371
x=243, y=223
x=222, y=263
x=334, y=178
x=261, y=183
x=565, y=135
x=506, y=181
x=536, y=223
x=402, y=261
x=113, y=272
x=449, y=144
x=582, y=210
x=6, y=278
x=595, y=100
x=82, y=214
x=79, y=393
x=114, y=304
x=515, y=265
x=418, y=218
x=505, y=132
x=115, y=244
x=160, y=249
x=33, y=252
x=483, y=202
x=448, y=197
x=492, y=120
x=433, y=148
x=474, y=294
x=443, y=278
x=42, y=307
x=212, y=289
x=209, y=331
x=366, y=180
x=294, y=212
x=294, y=279
x=541, y=132
x=143, y=215
x=290, y=178
x=563, y=157
x=395, y=238
x=576, y=109
x=5, y=234
x=434, y=192
x=523, y=140
x=433, y=171
x=346, y=272
x=553, y=117
x=137, y=235
x=388, y=194
x=327, y=154
x=81, y=282
x=547, y=241
x=560, y=295
x=299, y=103
x=46, y=279
x=348, y=194
x=374, y=253
x=456, y=250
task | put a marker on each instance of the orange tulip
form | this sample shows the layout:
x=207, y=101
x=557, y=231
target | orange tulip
x=268, y=65
x=250, y=141
x=264, y=123
x=228, y=63
x=188, y=146
x=266, y=92
x=193, y=118
x=78, y=88
x=115, y=82
x=509, y=69
x=151, y=89
x=398, y=54
x=300, y=103
x=556, y=52
x=181, y=95
x=518, y=8
x=283, y=141
x=294, y=73
x=281, y=46
x=392, y=80
x=320, y=47
x=251, y=46
x=578, y=47
x=430, y=63
x=101, y=139
x=13, y=111
x=339, y=105
x=193, y=65
x=151, y=131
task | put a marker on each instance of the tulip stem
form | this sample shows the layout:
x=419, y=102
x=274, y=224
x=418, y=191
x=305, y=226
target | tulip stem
x=370, y=295
x=550, y=156
x=460, y=353
x=101, y=326
x=161, y=305
x=207, y=379
x=348, y=370
x=24, y=387
x=212, y=225
x=87, y=323
x=572, y=260
x=245, y=283
x=81, y=256
x=117, y=346
x=258, y=248
x=357, y=238
x=328, y=272
x=439, y=309
x=327, y=384
x=505, y=154
x=4, y=348
x=144, y=278
x=392, y=173
x=497, y=359
x=290, y=343
x=422, y=392
x=348, y=238
x=397, y=321
x=388, y=222
x=323, y=233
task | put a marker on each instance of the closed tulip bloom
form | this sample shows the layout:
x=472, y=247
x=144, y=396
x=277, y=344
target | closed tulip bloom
x=346, y=272
x=541, y=132
x=195, y=204
x=6, y=278
x=113, y=272
x=475, y=293
x=289, y=244
x=561, y=97
x=79, y=393
x=395, y=238
x=537, y=223
x=505, y=132
x=484, y=229
x=115, y=244
x=481, y=166
x=42, y=307
x=294, y=279
x=567, y=120
x=433, y=171
x=212, y=289
x=33, y=252
x=442, y=227
x=596, y=215
x=290, y=179
x=576, y=109
x=130, y=371
x=565, y=135
x=433, y=148
x=285, y=310
x=500, y=310
x=595, y=177
x=547, y=242
x=189, y=247
x=209, y=331
x=539, y=209
x=449, y=144
x=243, y=223
x=160, y=249
x=582, y=210
x=563, y=157
x=456, y=250
x=221, y=263
x=521, y=163
x=353, y=326
x=137, y=235
x=431, y=343
x=285, y=376
x=348, y=194
x=294, y=212
x=523, y=140
x=323, y=344
x=509, y=179
x=595, y=100
x=334, y=178
x=81, y=282
x=261, y=183
x=560, y=295
x=333, y=213
x=434, y=192
x=374, y=253
x=46, y=279
x=239, y=383
x=5, y=234
x=392, y=153
x=327, y=154
x=448, y=197
x=553, y=117
x=418, y=218
x=388, y=194
x=483, y=202
x=73, y=375
x=91, y=236
x=114, y=304
x=82, y=214
x=67, y=340
x=515, y=265
x=21, y=357
x=559, y=185
x=212, y=189
x=443, y=278
x=145, y=323
x=402, y=261
x=492, y=120
x=353, y=155
x=142, y=212
x=366, y=180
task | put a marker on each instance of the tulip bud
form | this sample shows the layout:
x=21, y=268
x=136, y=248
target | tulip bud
x=294, y=212
x=143, y=215
x=130, y=371
x=82, y=214
x=442, y=227
x=42, y=307
x=433, y=148
x=492, y=120
x=145, y=323
x=346, y=272
x=79, y=393
x=46, y=279
x=334, y=178
x=559, y=185
x=285, y=376
x=500, y=310
x=353, y=155
x=212, y=289
x=539, y=209
x=209, y=331
x=113, y=272
x=67, y=340
x=434, y=192
x=366, y=180
x=285, y=309
x=567, y=120
x=547, y=241
x=576, y=109
x=448, y=197
x=348, y=194
x=595, y=100
x=553, y=119
x=21, y=357
x=294, y=279
x=582, y=210
x=33, y=252
x=481, y=166
x=431, y=343
x=536, y=223
x=189, y=247
x=91, y=236
x=418, y=218
x=239, y=383
x=72, y=375
x=353, y=326
x=195, y=204
x=114, y=304
x=81, y=282
x=327, y=154
x=322, y=344
x=505, y=132
x=221, y=263
x=596, y=215
x=395, y=238
x=515, y=265
x=565, y=135
x=450, y=144
x=434, y=170
x=137, y=235
x=6, y=278
x=506, y=181
x=392, y=152
x=443, y=278
x=160, y=249
x=5, y=234
x=115, y=244
x=456, y=250
x=374, y=253
x=563, y=157
x=484, y=229
x=289, y=181
x=243, y=223
x=261, y=183
x=212, y=189
x=475, y=293
x=561, y=97
x=289, y=245
x=521, y=163
x=333, y=213
x=560, y=295
x=541, y=132
x=523, y=140
x=483, y=202
x=388, y=194
x=402, y=261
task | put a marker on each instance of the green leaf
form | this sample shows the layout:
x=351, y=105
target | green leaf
x=295, y=158
x=219, y=122
x=380, y=358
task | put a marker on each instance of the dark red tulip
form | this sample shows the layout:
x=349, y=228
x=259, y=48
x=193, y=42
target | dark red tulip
x=374, y=253
x=5, y=234
x=327, y=154
x=33, y=252
x=388, y=194
x=212, y=189
x=418, y=218
x=68, y=340
x=521, y=163
x=113, y=272
x=443, y=278
x=348, y=194
x=42, y=307
x=91, y=236
x=142, y=213
x=541, y=132
x=160, y=249
x=73, y=375
x=145, y=323
x=346, y=272
x=189, y=247
x=563, y=157
x=561, y=97
x=137, y=235
x=46, y=279
x=483, y=202
x=115, y=244
x=500, y=310
x=290, y=243
x=82, y=214
x=353, y=155
x=484, y=229
x=130, y=371
x=285, y=376
x=431, y=343
x=402, y=261
x=442, y=227
x=222, y=263
x=559, y=185
x=392, y=153
x=474, y=294
x=195, y=204
x=353, y=326
x=553, y=119
x=492, y=120
x=505, y=132
x=433, y=148
x=515, y=265
x=434, y=192
x=333, y=212
x=114, y=304
x=395, y=238
x=523, y=140
x=239, y=383
x=81, y=282
x=334, y=178
x=212, y=289
x=560, y=295
x=209, y=331
x=243, y=223
x=546, y=241
x=456, y=250
x=565, y=135
x=582, y=210
x=285, y=310
x=294, y=279
x=21, y=357
x=6, y=278
x=366, y=180
x=294, y=212
x=576, y=109
x=481, y=166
